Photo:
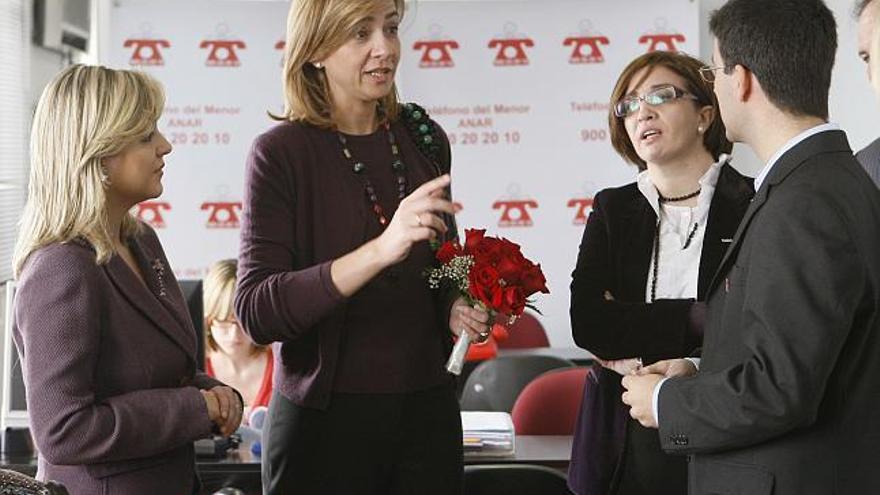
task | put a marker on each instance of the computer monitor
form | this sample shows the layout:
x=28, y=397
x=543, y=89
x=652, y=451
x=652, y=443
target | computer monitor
x=192, y=294
x=14, y=405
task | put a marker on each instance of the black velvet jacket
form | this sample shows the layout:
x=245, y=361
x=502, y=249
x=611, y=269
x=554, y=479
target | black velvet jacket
x=615, y=256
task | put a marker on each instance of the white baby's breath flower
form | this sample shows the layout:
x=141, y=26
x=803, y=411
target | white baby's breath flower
x=454, y=273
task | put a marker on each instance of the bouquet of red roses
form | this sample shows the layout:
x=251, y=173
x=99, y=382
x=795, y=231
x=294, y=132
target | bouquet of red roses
x=489, y=272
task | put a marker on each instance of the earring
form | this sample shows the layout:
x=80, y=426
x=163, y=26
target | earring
x=700, y=129
x=105, y=176
x=318, y=65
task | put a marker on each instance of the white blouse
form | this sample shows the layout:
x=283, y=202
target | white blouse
x=679, y=266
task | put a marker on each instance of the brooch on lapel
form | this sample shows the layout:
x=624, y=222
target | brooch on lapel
x=159, y=268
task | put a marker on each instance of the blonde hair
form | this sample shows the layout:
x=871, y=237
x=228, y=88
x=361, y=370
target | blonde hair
x=316, y=29
x=86, y=114
x=219, y=293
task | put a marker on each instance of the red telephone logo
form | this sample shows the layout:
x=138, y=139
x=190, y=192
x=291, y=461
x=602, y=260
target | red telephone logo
x=436, y=53
x=663, y=37
x=515, y=213
x=436, y=48
x=223, y=214
x=585, y=49
x=511, y=51
x=511, y=47
x=655, y=40
x=151, y=213
x=222, y=52
x=584, y=208
x=145, y=51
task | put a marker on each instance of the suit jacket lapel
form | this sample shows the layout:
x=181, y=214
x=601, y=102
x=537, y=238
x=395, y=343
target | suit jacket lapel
x=731, y=198
x=829, y=141
x=155, y=300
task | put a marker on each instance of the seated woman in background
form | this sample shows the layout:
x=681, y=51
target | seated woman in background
x=107, y=346
x=649, y=250
x=231, y=356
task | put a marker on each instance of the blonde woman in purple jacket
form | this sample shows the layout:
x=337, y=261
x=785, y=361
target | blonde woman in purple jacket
x=340, y=202
x=107, y=346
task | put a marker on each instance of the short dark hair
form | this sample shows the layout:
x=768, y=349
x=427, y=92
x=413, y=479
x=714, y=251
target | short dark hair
x=688, y=68
x=788, y=44
x=860, y=7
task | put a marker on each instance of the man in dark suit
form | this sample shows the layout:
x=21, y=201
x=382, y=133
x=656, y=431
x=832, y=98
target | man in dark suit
x=788, y=391
x=868, y=12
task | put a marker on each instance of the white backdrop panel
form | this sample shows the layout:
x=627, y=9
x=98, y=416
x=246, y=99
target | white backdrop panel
x=528, y=122
x=518, y=86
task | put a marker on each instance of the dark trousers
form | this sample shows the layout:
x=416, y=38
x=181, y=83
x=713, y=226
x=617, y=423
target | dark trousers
x=370, y=444
x=646, y=469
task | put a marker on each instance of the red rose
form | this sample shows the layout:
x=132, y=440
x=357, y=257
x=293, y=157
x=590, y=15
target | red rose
x=447, y=251
x=488, y=250
x=484, y=283
x=498, y=299
x=484, y=275
x=533, y=281
x=496, y=260
x=509, y=270
x=472, y=237
x=514, y=301
x=484, y=295
x=510, y=249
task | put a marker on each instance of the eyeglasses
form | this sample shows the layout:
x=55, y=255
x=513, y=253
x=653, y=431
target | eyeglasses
x=225, y=325
x=708, y=72
x=655, y=97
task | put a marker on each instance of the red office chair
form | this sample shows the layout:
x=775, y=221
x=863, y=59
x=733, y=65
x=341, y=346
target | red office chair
x=526, y=333
x=549, y=404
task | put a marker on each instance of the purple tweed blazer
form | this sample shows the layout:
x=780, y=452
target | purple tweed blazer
x=110, y=371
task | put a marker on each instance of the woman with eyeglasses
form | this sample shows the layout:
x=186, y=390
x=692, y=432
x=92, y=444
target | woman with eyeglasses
x=230, y=354
x=649, y=250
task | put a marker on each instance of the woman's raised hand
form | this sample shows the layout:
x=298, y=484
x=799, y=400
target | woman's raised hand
x=417, y=219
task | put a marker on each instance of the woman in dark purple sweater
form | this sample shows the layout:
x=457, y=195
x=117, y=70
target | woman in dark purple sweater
x=340, y=203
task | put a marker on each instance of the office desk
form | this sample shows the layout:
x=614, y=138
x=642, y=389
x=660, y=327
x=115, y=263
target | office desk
x=241, y=468
x=546, y=450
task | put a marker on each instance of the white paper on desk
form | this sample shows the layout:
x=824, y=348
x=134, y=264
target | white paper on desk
x=486, y=421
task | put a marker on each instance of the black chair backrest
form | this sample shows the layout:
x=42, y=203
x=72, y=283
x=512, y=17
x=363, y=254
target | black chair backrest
x=495, y=384
x=513, y=479
x=15, y=483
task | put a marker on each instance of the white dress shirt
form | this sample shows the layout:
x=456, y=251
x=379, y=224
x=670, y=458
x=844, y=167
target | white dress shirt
x=678, y=268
